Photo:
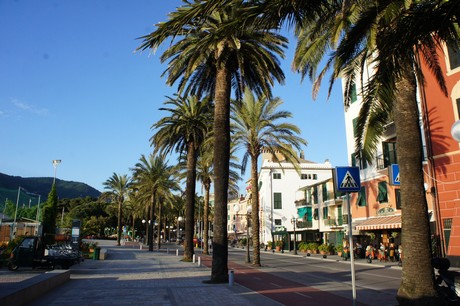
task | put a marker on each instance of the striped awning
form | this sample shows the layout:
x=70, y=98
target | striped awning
x=377, y=223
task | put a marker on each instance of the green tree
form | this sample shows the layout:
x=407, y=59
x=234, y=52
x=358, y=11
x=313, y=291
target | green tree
x=153, y=178
x=119, y=186
x=216, y=50
x=257, y=128
x=184, y=131
x=49, y=216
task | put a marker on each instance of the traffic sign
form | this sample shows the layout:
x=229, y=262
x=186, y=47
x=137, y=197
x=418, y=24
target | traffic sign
x=347, y=179
x=394, y=175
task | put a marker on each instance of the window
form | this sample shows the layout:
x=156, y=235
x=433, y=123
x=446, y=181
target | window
x=304, y=176
x=355, y=127
x=454, y=56
x=277, y=222
x=398, y=198
x=357, y=162
x=325, y=212
x=353, y=94
x=382, y=196
x=315, y=176
x=276, y=176
x=315, y=214
x=362, y=197
x=389, y=153
x=277, y=204
x=324, y=191
x=315, y=195
x=308, y=196
x=458, y=107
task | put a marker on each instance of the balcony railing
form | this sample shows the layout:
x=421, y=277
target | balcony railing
x=304, y=224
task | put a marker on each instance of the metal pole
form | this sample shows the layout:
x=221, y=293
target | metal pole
x=352, y=257
x=248, y=256
x=295, y=238
x=13, y=229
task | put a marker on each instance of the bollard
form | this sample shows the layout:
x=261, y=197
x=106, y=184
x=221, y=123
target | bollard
x=199, y=261
x=140, y=246
x=193, y=258
x=177, y=252
x=231, y=277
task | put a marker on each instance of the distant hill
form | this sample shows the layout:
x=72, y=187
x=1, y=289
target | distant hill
x=32, y=187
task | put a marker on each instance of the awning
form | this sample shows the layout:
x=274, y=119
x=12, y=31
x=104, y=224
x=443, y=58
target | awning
x=386, y=222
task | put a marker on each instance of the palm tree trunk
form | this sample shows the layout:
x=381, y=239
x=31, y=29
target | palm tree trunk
x=190, y=204
x=120, y=203
x=219, y=273
x=206, y=217
x=417, y=284
x=159, y=225
x=255, y=212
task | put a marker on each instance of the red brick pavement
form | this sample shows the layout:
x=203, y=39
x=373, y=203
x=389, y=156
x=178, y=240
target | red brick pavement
x=279, y=289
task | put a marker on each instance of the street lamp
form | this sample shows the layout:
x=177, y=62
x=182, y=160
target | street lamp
x=56, y=162
x=248, y=217
x=294, y=221
x=179, y=220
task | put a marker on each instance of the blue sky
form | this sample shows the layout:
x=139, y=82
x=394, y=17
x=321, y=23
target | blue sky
x=72, y=88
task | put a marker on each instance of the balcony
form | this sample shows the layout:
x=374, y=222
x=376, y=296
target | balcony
x=304, y=224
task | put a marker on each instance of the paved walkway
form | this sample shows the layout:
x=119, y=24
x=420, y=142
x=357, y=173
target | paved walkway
x=130, y=276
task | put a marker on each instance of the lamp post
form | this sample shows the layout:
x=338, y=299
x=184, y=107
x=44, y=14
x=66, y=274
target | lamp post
x=294, y=221
x=248, y=217
x=179, y=220
x=56, y=162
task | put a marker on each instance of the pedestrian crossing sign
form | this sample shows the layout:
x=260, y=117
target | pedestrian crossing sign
x=394, y=175
x=347, y=179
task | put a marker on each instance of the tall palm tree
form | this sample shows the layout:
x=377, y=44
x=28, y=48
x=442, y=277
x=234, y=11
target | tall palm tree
x=216, y=51
x=184, y=131
x=390, y=35
x=153, y=177
x=205, y=175
x=119, y=186
x=256, y=127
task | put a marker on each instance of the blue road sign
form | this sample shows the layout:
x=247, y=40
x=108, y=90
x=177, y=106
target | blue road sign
x=347, y=179
x=394, y=175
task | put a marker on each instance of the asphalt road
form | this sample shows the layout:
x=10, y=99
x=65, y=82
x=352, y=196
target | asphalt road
x=376, y=283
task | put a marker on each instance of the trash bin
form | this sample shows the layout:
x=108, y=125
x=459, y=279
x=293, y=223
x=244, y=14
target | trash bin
x=97, y=252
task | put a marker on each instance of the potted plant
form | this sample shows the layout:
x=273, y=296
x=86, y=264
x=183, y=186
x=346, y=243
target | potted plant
x=303, y=246
x=339, y=249
x=269, y=245
x=312, y=248
x=278, y=245
x=324, y=249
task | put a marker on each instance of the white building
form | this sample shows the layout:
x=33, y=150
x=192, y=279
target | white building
x=280, y=186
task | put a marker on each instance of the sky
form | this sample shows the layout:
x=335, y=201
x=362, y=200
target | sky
x=73, y=88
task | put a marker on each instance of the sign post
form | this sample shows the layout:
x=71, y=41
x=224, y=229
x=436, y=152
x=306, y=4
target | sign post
x=347, y=180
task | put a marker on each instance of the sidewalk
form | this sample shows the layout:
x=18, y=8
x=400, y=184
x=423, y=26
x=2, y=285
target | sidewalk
x=131, y=276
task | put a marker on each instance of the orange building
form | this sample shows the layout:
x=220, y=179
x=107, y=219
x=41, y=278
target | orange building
x=443, y=152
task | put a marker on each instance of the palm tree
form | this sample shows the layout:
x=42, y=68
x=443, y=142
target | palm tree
x=119, y=186
x=152, y=178
x=205, y=175
x=216, y=51
x=391, y=36
x=256, y=128
x=184, y=131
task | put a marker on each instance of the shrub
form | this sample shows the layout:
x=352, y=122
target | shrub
x=326, y=248
x=279, y=243
x=339, y=248
x=312, y=246
x=303, y=246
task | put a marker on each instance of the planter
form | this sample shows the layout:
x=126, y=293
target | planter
x=339, y=253
x=278, y=248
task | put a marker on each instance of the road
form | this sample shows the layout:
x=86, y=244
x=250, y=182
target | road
x=375, y=284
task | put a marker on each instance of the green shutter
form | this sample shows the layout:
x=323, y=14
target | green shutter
x=382, y=196
x=277, y=204
x=324, y=187
x=362, y=197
